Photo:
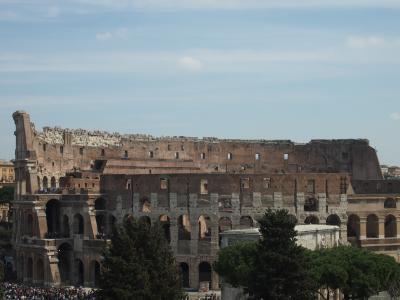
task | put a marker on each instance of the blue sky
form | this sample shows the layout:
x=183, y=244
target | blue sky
x=266, y=69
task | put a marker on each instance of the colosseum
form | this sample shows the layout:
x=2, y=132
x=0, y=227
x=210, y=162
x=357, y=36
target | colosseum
x=73, y=185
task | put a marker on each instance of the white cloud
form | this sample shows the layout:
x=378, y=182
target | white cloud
x=190, y=63
x=119, y=33
x=395, y=116
x=364, y=42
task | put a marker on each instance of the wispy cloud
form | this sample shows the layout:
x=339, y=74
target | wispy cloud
x=190, y=63
x=395, y=116
x=371, y=42
x=119, y=33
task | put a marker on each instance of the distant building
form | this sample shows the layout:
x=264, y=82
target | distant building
x=6, y=172
x=390, y=171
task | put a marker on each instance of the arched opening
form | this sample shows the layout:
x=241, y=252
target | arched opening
x=101, y=224
x=29, y=269
x=311, y=204
x=39, y=271
x=53, y=183
x=184, y=270
x=45, y=183
x=96, y=273
x=165, y=225
x=389, y=203
x=204, y=228
x=353, y=226
x=79, y=271
x=333, y=220
x=184, y=228
x=145, y=220
x=311, y=220
x=372, y=226
x=205, y=273
x=29, y=225
x=111, y=222
x=246, y=222
x=145, y=205
x=53, y=218
x=64, y=263
x=78, y=224
x=65, y=227
x=100, y=204
x=390, y=226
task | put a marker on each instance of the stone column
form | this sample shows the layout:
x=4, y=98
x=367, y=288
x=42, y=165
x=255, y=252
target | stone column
x=214, y=280
x=194, y=234
x=42, y=222
x=363, y=228
x=173, y=228
x=381, y=232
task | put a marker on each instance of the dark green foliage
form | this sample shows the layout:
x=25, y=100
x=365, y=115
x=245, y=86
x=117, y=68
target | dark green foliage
x=275, y=267
x=139, y=265
x=357, y=273
x=6, y=193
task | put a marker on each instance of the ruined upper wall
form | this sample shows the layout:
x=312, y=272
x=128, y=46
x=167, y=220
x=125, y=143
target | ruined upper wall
x=57, y=151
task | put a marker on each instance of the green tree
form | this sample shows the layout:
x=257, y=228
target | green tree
x=6, y=193
x=275, y=267
x=139, y=264
x=357, y=273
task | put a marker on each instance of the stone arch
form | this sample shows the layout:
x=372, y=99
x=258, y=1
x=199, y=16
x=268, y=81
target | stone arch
x=29, y=269
x=45, y=182
x=101, y=224
x=79, y=226
x=205, y=273
x=372, y=226
x=390, y=226
x=310, y=204
x=353, y=226
x=184, y=228
x=65, y=253
x=204, y=227
x=65, y=227
x=39, y=271
x=333, y=220
x=184, y=272
x=145, y=205
x=53, y=183
x=389, y=203
x=246, y=222
x=53, y=218
x=79, y=272
x=95, y=272
x=311, y=220
x=100, y=204
x=166, y=226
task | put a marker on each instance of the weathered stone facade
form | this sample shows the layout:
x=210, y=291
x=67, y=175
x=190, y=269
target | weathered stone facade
x=72, y=185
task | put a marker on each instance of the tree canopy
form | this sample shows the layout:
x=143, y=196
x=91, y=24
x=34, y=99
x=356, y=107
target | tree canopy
x=139, y=264
x=275, y=267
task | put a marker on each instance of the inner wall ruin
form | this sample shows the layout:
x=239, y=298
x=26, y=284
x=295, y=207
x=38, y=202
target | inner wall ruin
x=73, y=185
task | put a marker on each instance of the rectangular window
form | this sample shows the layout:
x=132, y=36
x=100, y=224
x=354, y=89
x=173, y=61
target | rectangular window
x=182, y=147
x=267, y=183
x=286, y=156
x=245, y=183
x=343, y=185
x=176, y=155
x=44, y=147
x=204, y=186
x=81, y=151
x=126, y=154
x=257, y=156
x=103, y=152
x=61, y=149
x=311, y=186
x=163, y=183
x=151, y=154
x=203, y=155
x=230, y=156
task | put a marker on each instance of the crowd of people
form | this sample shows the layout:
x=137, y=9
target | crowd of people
x=18, y=291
